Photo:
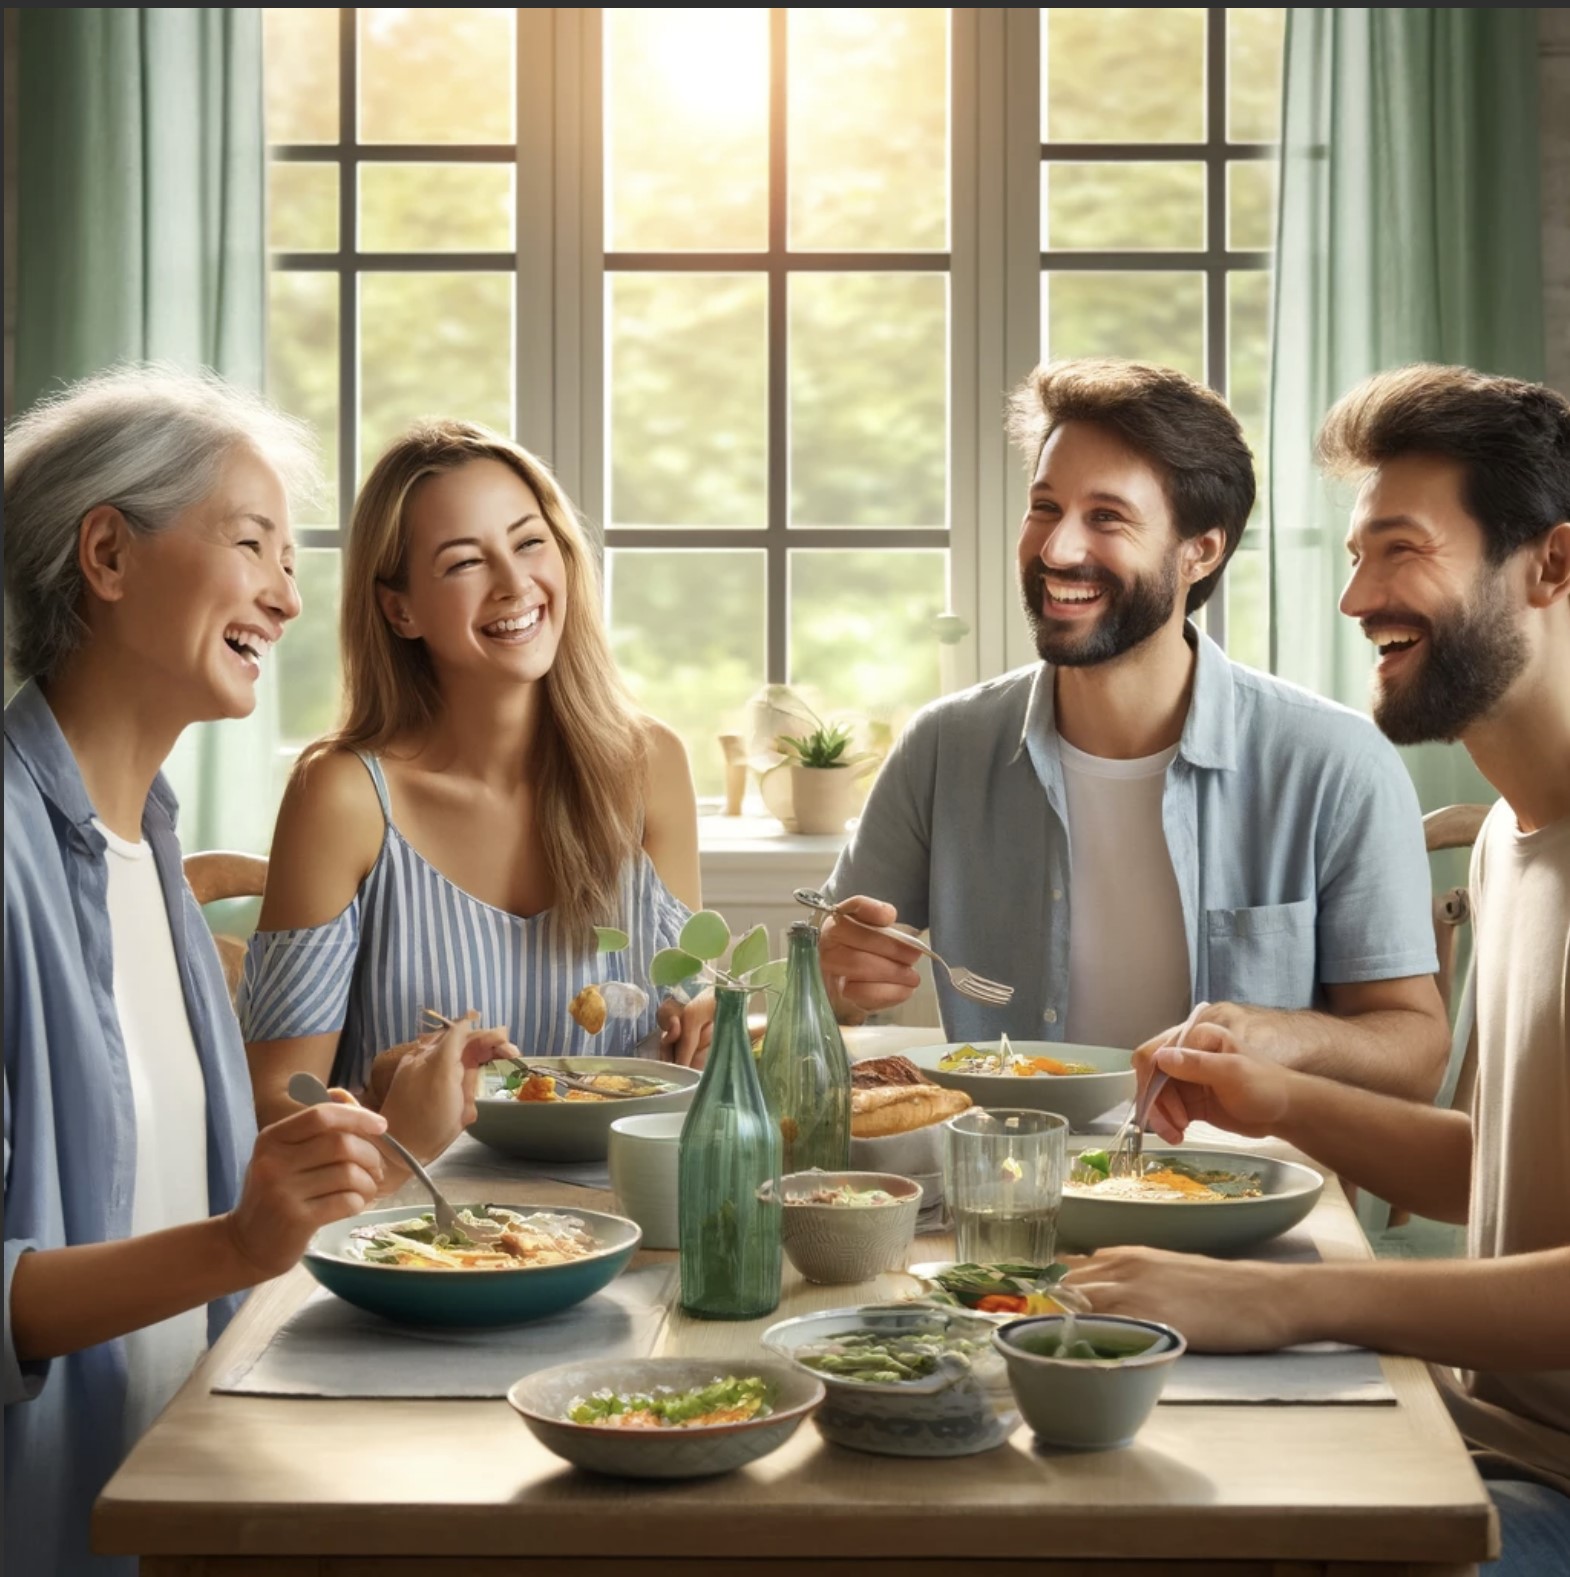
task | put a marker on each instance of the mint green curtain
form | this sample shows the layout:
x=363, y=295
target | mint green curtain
x=141, y=187
x=1408, y=230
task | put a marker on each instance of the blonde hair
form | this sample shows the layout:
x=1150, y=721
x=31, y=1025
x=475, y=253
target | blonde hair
x=591, y=745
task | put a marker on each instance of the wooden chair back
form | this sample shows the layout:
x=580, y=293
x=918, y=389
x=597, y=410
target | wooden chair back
x=1455, y=827
x=219, y=874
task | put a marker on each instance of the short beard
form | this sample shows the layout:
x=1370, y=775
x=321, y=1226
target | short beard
x=1473, y=655
x=1128, y=619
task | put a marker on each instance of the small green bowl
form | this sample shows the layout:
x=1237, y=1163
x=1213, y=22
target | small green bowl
x=460, y=1298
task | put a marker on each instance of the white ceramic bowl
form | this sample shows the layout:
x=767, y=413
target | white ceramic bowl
x=846, y=1243
x=543, y=1399
x=1080, y=1097
x=574, y=1130
x=917, y=1155
x=645, y=1155
x=1088, y=1404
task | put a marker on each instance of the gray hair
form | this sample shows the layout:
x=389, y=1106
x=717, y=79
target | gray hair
x=150, y=439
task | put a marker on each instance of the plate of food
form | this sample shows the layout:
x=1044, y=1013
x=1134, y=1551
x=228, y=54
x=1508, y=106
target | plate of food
x=896, y=1122
x=1001, y=1292
x=666, y=1417
x=505, y=1265
x=1197, y=1201
x=1080, y=1083
x=561, y=1108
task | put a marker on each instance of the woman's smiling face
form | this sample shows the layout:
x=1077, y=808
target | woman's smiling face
x=485, y=584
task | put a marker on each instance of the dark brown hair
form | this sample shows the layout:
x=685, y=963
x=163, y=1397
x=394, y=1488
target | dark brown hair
x=1513, y=439
x=1182, y=428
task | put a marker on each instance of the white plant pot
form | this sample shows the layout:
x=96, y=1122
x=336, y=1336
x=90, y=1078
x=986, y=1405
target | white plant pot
x=823, y=799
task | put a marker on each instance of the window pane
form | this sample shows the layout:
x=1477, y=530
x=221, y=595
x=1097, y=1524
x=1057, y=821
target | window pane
x=687, y=630
x=1148, y=317
x=1245, y=586
x=1251, y=205
x=861, y=629
x=429, y=74
x=869, y=399
x=1248, y=356
x=686, y=129
x=1123, y=207
x=1255, y=37
x=310, y=682
x=869, y=95
x=436, y=208
x=1122, y=74
x=433, y=345
x=688, y=442
x=302, y=355
x=300, y=51
x=302, y=207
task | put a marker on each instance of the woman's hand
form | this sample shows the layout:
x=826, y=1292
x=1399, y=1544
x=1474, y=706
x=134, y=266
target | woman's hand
x=686, y=1029
x=431, y=1092
x=307, y=1171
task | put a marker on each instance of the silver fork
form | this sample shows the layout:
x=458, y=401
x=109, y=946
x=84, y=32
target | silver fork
x=1128, y=1144
x=965, y=981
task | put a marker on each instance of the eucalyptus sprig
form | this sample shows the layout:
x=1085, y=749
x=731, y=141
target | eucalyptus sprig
x=704, y=941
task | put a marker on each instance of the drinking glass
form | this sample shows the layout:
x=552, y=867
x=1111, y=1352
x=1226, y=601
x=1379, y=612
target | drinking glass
x=1003, y=1175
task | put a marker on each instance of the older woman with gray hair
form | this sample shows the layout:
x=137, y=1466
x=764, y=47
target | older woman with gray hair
x=148, y=573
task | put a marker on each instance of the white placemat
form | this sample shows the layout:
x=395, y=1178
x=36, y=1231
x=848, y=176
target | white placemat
x=330, y=1348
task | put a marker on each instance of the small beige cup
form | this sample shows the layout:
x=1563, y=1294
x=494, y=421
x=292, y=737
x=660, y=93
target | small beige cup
x=644, y=1152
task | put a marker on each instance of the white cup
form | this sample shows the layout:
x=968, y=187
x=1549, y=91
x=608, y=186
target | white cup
x=643, y=1161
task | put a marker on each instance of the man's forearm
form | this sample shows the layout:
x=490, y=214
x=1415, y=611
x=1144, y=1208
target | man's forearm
x=1504, y=1314
x=1393, y=1050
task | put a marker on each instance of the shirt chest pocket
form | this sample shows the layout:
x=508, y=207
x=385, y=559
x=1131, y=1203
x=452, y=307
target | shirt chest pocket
x=1265, y=955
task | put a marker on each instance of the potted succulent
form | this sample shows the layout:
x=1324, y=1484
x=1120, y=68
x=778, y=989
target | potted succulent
x=823, y=779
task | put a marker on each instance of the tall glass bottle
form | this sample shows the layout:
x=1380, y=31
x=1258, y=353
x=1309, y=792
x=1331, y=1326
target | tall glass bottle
x=806, y=1073
x=730, y=1151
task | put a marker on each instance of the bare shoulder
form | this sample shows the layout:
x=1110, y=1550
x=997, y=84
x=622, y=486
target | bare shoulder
x=667, y=755
x=329, y=835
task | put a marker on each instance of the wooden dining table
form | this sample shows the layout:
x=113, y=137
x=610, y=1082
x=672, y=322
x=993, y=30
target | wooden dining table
x=264, y=1486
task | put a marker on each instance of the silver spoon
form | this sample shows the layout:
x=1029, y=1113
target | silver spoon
x=309, y=1090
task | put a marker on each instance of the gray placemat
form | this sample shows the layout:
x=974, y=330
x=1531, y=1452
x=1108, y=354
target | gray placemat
x=330, y=1348
x=1325, y=1373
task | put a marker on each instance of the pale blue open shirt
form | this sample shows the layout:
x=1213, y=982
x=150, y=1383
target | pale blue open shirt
x=70, y=1131
x=1294, y=832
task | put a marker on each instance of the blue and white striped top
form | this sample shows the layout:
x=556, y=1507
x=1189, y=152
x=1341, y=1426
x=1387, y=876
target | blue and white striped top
x=410, y=939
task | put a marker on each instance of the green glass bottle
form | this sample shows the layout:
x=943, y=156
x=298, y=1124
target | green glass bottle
x=805, y=1071
x=729, y=1176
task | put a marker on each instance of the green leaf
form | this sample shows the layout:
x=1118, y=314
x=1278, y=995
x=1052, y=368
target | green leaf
x=705, y=935
x=752, y=951
x=609, y=940
x=770, y=976
x=671, y=966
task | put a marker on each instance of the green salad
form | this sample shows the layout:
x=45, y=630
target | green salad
x=722, y=1401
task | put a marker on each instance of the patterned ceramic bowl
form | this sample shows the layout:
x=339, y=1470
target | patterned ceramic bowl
x=832, y=1242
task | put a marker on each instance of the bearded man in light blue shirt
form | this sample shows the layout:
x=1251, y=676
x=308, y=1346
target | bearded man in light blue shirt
x=1137, y=823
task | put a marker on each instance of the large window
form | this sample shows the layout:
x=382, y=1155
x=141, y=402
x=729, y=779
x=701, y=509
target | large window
x=755, y=281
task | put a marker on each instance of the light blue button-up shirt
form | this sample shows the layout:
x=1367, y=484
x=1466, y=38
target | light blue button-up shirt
x=70, y=1128
x=1294, y=832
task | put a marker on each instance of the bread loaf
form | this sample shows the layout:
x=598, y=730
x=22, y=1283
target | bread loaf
x=877, y=1113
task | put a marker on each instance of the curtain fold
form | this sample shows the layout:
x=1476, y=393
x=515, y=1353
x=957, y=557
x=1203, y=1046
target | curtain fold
x=141, y=198
x=1408, y=230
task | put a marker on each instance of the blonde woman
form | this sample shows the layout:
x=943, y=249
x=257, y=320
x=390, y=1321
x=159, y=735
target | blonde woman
x=492, y=797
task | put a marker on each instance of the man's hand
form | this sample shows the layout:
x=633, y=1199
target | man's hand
x=1215, y=1080
x=869, y=971
x=1219, y=1305
x=430, y=1096
x=316, y=1167
x=686, y=1029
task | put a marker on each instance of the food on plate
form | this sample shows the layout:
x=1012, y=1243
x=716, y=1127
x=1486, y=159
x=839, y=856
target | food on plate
x=1103, y=1347
x=588, y=1008
x=996, y=1289
x=877, y=1072
x=489, y=1237
x=902, y=1108
x=1161, y=1180
x=967, y=1059
x=872, y=1357
x=532, y=1085
x=723, y=1401
x=844, y=1194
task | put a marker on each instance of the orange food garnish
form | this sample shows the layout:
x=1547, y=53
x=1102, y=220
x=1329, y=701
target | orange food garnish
x=537, y=1087
x=1176, y=1181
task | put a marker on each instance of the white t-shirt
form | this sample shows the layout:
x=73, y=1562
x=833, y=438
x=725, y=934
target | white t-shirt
x=1128, y=965
x=169, y=1095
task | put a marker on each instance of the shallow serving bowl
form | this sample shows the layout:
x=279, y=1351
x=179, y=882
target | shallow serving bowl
x=944, y=1415
x=1228, y=1225
x=468, y=1297
x=844, y=1243
x=1080, y=1097
x=543, y=1399
x=917, y=1155
x=1088, y=1403
x=573, y=1130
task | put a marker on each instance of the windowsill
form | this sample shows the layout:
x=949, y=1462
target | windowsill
x=757, y=837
